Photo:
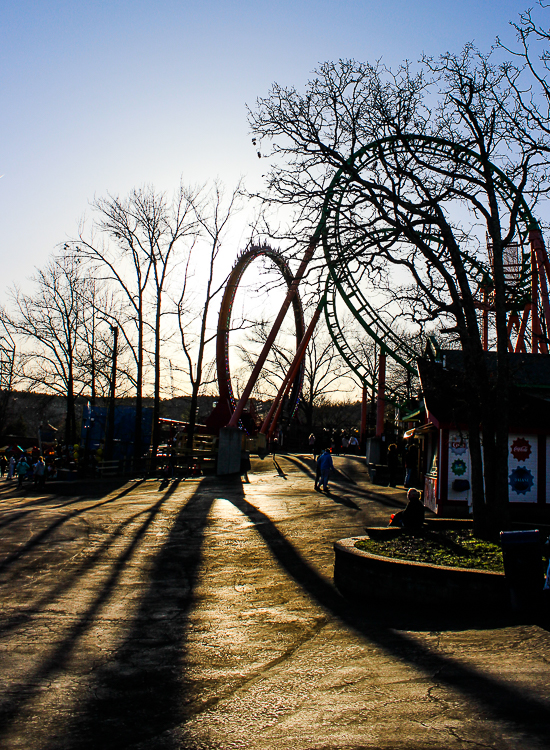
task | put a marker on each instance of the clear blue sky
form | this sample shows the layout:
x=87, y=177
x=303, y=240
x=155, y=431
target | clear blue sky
x=105, y=95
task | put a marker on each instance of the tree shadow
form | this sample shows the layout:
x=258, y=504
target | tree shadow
x=307, y=466
x=506, y=703
x=141, y=692
x=144, y=689
x=26, y=614
x=43, y=535
x=20, y=695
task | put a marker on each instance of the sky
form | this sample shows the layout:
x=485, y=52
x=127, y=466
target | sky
x=102, y=96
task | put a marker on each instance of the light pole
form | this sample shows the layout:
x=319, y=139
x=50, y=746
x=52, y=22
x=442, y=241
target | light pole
x=110, y=431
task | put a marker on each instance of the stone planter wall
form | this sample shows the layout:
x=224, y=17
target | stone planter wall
x=362, y=576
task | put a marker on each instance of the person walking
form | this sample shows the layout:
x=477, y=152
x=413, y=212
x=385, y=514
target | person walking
x=411, y=464
x=311, y=443
x=325, y=466
x=353, y=445
x=318, y=473
x=11, y=467
x=3, y=465
x=22, y=469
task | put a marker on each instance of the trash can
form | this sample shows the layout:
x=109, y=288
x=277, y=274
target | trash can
x=522, y=555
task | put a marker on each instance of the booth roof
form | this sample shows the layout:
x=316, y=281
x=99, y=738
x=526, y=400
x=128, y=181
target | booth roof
x=447, y=395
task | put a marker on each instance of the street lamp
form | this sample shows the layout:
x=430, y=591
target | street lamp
x=110, y=431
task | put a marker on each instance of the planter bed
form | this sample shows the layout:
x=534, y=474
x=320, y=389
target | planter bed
x=363, y=576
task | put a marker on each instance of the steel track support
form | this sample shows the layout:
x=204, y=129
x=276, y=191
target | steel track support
x=381, y=395
x=277, y=404
x=234, y=421
x=364, y=401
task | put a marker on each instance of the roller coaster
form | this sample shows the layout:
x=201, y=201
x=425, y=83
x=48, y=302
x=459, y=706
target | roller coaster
x=345, y=242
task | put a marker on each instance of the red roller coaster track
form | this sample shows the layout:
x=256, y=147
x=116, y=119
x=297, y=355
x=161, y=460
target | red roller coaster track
x=226, y=404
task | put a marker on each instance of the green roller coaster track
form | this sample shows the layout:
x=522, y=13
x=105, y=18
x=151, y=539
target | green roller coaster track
x=340, y=282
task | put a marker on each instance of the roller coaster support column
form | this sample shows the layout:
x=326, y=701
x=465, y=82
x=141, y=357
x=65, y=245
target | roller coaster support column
x=381, y=396
x=541, y=274
x=286, y=385
x=364, y=400
x=234, y=421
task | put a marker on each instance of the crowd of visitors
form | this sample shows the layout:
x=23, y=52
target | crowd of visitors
x=26, y=468
x=338, y=442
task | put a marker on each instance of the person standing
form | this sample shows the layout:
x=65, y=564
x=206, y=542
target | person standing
x=3, y=465
x=311, y=443
x=40, y=473
x=353, y=445
x=411, y=461
x=11, y=467
x=393, y=463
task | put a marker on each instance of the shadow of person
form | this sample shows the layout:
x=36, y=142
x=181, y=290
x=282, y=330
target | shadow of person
x=277, y=465
x=341, y=500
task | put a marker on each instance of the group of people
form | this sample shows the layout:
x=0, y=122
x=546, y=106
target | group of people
x=336, y=441
x=24, y=468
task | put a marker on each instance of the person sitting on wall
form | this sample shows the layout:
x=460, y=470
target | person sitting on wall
x=412, y=518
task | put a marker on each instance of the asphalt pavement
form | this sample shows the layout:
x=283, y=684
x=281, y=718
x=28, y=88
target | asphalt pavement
x=200, y=614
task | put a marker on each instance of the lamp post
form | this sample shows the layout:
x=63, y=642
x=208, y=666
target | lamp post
x=110, y=431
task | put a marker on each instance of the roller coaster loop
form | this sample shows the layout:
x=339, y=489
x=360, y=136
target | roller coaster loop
x=226, y=403
x=527, y=282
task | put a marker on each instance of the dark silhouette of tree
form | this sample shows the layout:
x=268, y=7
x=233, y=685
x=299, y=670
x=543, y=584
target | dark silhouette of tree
x=326, y=375
x=49, y=322
x=414, y=214
x=212, y=212
x=140, y=237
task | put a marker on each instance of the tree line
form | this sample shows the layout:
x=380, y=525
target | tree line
x=136, y=274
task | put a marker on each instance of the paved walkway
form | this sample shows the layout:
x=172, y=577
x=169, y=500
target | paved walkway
x=202, y=615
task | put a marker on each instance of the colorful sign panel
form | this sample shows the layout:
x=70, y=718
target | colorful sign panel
x=522, y=468
x=459, y=480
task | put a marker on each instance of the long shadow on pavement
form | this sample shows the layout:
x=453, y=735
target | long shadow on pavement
x=24, y=615
x=141, y=691
x=43, y=535
x=19, y=695
x=504, y=702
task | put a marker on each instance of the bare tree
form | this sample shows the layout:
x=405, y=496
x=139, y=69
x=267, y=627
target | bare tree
x=49, y=322
x=212, y=213
x=142, y=234
x=412, y=206
x=325, y=374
